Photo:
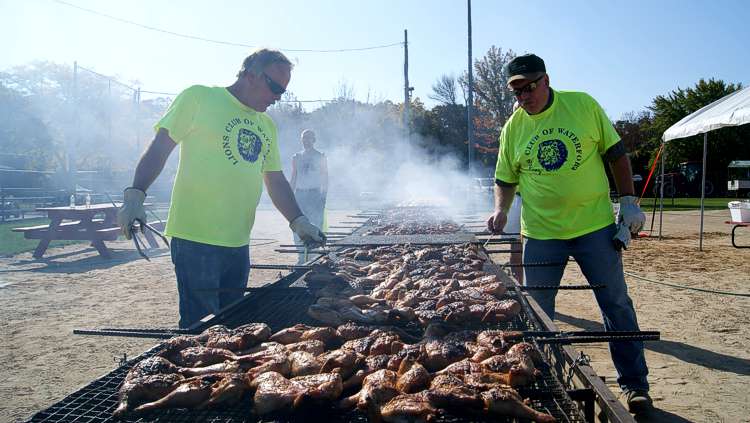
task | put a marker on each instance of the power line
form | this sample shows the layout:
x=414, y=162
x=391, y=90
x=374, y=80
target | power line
x=227, y=43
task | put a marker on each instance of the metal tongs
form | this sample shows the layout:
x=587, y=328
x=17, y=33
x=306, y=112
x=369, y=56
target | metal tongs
x=134, y=228
x=143, y=226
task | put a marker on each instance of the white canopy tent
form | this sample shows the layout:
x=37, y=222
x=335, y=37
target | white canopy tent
x=730, y=110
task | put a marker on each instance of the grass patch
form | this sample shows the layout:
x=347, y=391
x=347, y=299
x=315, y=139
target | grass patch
x=647, y=204
x=14, y=242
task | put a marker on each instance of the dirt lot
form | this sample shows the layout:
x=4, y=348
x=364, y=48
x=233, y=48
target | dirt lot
x=700, y=371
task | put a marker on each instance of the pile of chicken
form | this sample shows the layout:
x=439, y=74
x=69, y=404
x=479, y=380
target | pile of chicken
x=409, y=221
x=407, y=284
x=364, y=359
x=461, y=372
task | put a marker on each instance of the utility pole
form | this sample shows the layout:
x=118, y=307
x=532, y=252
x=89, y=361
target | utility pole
x=137, y=97
x=407, y=89
x=470, y=101
x=72, y=142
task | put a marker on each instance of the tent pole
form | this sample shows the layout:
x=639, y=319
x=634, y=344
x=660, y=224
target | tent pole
x=703, y=185
x=661, y=187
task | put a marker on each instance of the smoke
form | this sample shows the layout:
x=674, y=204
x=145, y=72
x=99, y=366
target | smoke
x=371, y=161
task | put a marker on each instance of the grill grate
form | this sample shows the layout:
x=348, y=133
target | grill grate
x=280, y=308
x=282, y=305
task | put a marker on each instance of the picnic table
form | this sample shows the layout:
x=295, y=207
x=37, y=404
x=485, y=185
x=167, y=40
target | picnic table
x=734, y=228
x=96, y=223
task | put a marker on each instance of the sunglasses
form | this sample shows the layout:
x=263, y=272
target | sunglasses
x=274, y=86
x=531, y=86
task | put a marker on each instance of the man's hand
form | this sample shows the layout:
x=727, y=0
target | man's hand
x=622, y=237
x=132, y=209
x=631, y=215
x=310, y=234
x=496, y=222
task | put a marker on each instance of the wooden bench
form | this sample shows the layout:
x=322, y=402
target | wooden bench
x=734, y=228
x=46, y=227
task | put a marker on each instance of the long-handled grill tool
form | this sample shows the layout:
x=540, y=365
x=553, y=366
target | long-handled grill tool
x=561, y=287
x=280, y=266
x=495, y=241
x=142, y=227
x=152, y=330
x=490, y=234
x=139, y=225
x=585, y=338
x=488, y=240
x=308, y=251
x=127, y=334
x=537, y=264
x=502, y=251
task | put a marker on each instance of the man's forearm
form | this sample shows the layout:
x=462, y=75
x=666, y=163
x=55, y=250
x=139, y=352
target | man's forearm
x=622, y=175
x=153, y=160
x=504, y=196
x=281, y=195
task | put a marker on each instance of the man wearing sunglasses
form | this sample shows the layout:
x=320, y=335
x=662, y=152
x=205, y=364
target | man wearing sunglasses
x=554, y=149
x=228, y=151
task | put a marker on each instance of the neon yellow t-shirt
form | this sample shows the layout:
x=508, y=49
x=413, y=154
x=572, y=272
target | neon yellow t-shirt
x=225, y=147
x=555, y=157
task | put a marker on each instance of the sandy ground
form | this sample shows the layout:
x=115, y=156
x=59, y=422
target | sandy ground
x=700, y=371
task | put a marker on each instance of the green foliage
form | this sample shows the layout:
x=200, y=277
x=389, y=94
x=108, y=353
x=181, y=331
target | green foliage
x=81, y=120
x=491, y=85
x=22, y=131
x=724, y=145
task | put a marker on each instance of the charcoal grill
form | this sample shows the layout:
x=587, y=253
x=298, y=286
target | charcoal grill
x=568, y=388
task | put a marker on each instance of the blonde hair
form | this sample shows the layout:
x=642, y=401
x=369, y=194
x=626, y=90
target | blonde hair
x=260, y=59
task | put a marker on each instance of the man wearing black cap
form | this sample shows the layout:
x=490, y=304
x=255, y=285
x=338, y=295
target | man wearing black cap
x=554, y=148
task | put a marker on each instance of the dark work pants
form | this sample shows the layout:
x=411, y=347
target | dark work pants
x=201, y=270
x=600, y=263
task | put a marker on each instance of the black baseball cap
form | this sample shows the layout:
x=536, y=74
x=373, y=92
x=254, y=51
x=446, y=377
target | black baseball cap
x=528, y=66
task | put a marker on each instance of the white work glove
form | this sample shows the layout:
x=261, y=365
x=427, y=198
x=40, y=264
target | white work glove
x=132, y=209
x=631, y=215
x=310, y=234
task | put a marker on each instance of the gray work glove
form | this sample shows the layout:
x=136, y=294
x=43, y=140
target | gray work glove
x=132, y=209
x=631, y=215
x=622, y=237
x=310, y=234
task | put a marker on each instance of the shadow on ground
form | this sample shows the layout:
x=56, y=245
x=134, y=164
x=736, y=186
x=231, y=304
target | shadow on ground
x=679, y=350
x=660, y=416
x=58, y=263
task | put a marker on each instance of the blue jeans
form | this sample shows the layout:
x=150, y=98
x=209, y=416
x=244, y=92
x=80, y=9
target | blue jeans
x=601, y=264
x=203, y=269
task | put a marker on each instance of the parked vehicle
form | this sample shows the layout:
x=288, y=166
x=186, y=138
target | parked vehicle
x=685, y=181
x=738, y=178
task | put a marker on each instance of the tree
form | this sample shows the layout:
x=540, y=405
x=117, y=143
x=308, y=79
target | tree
x=636, y=132
x=23, y=133
x=444, y=90
x=94, y=120
x=724, y=144
x=493, y=101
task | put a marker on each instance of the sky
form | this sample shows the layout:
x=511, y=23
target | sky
x=622, y=53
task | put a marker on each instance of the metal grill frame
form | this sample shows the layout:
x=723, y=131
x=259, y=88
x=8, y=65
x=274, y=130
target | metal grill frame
x=96, y=401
